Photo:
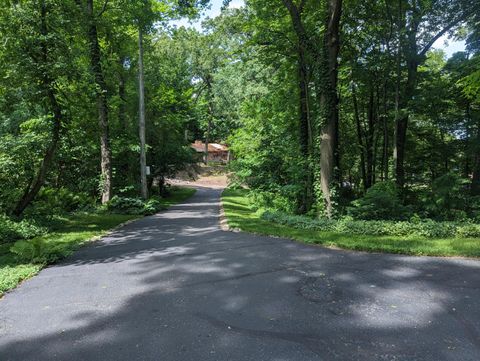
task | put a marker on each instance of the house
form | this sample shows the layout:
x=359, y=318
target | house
x=216, y=152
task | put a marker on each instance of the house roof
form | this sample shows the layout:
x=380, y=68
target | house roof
x=199, y=147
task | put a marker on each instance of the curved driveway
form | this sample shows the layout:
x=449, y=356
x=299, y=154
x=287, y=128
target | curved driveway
x=174, y=286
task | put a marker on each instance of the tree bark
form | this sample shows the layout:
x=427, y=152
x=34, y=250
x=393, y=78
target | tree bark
x=102, y=103
x=48, y=88
x=370, y=139
x=122, y=118
x=305, y=126
x=385, y=135
x=475, y=186
x=141, y=111
x=306, y=138
x=329, y=154
x=361, y=145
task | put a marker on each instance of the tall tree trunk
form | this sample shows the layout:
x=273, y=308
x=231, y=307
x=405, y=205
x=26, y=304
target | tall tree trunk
x=385, y=135
x=48, y=88
x=305, y=126
x=141, y=111
x=207, y=141
x=475, y=187
x=360, y=137
x=122, y=109
x=306, y=138
x=370, y=138
x=329, y=154
x=102, y=103
x=210, y=119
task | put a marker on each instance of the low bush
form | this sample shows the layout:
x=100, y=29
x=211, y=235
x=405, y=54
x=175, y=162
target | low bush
x=281, y=198
x=37, y=251
x=58, y=201
x=11, y=230
x=347, y=225
x=381, y=201
x=125, y=205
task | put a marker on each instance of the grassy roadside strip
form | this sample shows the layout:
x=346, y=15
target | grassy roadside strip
x=75, y=230
x=240, y=215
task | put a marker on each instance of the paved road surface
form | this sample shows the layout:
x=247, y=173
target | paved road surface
x=175, y=287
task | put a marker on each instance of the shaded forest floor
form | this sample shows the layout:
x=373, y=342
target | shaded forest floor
x=240, y=215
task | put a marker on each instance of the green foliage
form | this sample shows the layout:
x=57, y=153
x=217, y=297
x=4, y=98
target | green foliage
x=282, y=198
x=449, y=197
x=11, y=230
x=124, y=205
x=347, y=225
x=58, y=201
x=241, y=215
x=37, y=251
x=381, y=201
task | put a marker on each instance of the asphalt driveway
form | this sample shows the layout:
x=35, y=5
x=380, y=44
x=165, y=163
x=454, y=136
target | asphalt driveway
x=174, y=286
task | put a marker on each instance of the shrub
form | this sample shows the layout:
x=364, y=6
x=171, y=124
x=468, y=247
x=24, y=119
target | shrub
x=425, y=228
x=380, y=202
x=469, y=230
x=124, y=205
x=279, y=198
x=11, y=230
x=449, y=197
x=38, y=251
x=58, y=201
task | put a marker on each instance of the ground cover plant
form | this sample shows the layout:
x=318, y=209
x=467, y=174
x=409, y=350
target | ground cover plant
x=355, y=235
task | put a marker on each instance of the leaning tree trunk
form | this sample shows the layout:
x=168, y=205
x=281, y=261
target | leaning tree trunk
x=47, y=84
x=329, y=155
x=102, y=104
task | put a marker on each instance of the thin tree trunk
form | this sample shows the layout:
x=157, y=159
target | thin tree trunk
x=329, y=155
x=122, y=111
x=102, y=103
x=305, y=129
x=385, y=135
x=475, y=187
x=401, y=25
x=141, y=96
x=370, y=138
x=48, y=85
x=209, y=129
x=211, y=113
x=360, y=137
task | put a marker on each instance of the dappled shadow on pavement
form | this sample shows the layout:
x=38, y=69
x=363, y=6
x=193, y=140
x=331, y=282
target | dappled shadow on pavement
x=175, y=287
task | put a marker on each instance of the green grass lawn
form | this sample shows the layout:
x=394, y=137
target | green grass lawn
x=71, y=232
x=240, y=215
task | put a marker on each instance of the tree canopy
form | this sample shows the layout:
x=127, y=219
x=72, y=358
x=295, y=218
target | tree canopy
x=319, y=102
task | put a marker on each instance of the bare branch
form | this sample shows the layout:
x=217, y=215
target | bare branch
x=104, y=8
x=446, y=29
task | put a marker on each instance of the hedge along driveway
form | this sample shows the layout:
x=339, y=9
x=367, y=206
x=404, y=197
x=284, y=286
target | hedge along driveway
x=241, y=215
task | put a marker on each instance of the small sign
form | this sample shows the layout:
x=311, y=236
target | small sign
x=147, y=170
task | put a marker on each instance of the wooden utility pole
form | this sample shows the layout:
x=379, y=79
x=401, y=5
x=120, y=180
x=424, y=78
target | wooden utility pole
x=141, y=94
